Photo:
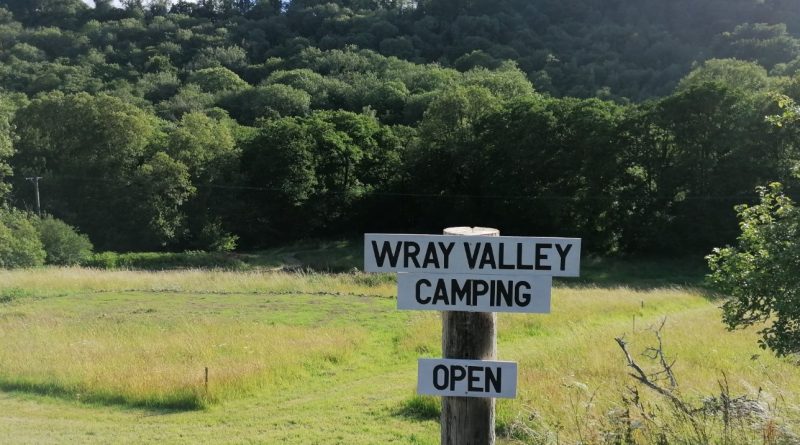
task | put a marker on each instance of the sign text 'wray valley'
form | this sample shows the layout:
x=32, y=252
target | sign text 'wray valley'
x=477, y=254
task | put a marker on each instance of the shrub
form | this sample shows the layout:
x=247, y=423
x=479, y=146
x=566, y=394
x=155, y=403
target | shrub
x=62, y=243
x=760, y=273
x=103, y=260
x=216, y=239
x=166, y=260
x=20, y=245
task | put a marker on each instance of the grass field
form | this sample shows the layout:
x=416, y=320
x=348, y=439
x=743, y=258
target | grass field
x=120, y=356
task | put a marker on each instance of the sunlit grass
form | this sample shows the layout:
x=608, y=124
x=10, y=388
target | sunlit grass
x=144, y=339
x=150, y=361
x=572, y=374
x=47, y=281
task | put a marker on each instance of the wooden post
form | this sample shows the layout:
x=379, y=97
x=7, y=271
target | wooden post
x=469, y=336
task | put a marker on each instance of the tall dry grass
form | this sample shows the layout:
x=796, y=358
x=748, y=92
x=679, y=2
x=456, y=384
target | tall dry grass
x=157, y=364
x=573, y=376
x=57, y=336
x=60, y=333
x=47, y=281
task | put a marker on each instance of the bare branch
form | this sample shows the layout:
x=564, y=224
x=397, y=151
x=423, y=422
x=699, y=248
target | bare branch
x=641, y=376
x=661, y=358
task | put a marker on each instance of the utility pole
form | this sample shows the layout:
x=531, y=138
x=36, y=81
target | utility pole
x=35, y=181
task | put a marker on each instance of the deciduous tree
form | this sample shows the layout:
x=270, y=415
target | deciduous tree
x=760, y=274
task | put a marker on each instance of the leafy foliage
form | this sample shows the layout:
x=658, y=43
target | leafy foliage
x=20, y=245
x=760, y=272
x=164, y=261
x=6, y=148
x=313, y=169
x=63, y=245
x=221, y=124
x=101, y=178
x=212, y=80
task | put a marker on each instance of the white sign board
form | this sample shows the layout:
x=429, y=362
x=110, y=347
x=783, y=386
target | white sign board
x=486, y=255
x=467, y=378
x=474, y=293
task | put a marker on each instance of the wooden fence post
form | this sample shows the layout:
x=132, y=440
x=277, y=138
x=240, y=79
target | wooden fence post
x=469, y=336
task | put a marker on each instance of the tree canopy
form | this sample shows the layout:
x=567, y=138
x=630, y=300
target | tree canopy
x=180, y=125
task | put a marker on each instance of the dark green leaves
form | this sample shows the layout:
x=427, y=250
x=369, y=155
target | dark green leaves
x=760, y=273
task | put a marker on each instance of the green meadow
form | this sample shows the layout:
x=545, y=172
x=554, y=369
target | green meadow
x=302, y=357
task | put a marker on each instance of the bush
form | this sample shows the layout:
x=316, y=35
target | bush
x=166, y=261
x=760, y=273
x=216, y=239
x=103, y=260
x=63, y=245
x=20, y=245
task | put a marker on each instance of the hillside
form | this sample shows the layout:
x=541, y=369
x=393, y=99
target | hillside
x=582, y=48
x=222, y=124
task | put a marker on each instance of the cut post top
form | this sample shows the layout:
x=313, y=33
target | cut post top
x=471, y=231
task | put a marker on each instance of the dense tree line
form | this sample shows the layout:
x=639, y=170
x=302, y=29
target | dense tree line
x=581, y=48
x=174, y=125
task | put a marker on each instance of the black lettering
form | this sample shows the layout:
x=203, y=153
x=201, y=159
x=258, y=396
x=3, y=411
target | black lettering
x=502, y=255
x=411, y=252
x=457, y=374
x=522, y=298
x=472, y=257
x=479, y=288
x=541, y=256
x=520, y=264
x=386, y=250
x=459, y=293
x=563, y=254
x=446, y=250
x=494, y=380
x=472, y=378
x=488, y=256
x=504, y=293
x=440, y=370
x=420, y=283
x=430, y=256
x=441, y=292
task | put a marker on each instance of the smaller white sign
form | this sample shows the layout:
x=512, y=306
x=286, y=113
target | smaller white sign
x=467, y=378
x=474, y=293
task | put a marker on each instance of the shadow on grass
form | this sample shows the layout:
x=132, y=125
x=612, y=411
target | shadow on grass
x=644, y=273
x=420, y=408
x=187, y=401
x=318, y=256
x=641, y=273
x=12, y=294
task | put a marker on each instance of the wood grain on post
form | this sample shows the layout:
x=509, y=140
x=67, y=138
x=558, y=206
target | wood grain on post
x=469, y=336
